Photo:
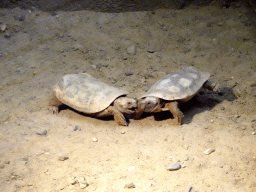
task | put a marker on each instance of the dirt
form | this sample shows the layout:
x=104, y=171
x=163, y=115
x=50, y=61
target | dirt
x=38, y=48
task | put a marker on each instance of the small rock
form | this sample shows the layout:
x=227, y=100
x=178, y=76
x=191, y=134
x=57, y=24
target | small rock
x=122, y=132
x=72, y=180
x=129, y=73
x=254, y=133
x=131, y=168
x=41, y=132
x=83, y=184
x=63, y=157
x=151, y=51
x=129, y=186
x=131, y=50
x=94, y=139
x=7, y=162
x=3, y=27
x=75, y=128
x=209, y=151
x=174, y=167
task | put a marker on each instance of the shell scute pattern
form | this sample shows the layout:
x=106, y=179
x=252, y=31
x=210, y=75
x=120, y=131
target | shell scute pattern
x=85, y=93
x=179, y=85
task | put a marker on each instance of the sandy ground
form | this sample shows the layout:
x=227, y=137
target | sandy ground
x=37, y=48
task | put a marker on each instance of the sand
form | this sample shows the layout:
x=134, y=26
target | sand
x=131, y=51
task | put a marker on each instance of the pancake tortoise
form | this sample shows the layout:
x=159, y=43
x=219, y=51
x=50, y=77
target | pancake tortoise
x=87, y=94
x=175, y=88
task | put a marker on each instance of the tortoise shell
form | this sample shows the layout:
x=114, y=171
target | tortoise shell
x=85, y=93
x=180, y=85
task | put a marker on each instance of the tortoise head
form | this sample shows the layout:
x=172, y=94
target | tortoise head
x=149, y=104
x=126, y=104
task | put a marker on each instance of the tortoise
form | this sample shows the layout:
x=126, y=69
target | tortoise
x=171, y=90
x=87, y=94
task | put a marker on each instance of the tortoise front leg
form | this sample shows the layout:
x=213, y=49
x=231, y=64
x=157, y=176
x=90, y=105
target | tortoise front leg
x=54, y=105
x=177, y=114
x=139, y=111
x=118, y=116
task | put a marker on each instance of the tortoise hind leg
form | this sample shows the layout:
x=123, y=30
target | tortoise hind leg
x=54, y=105
x=177, y=114
x=118, y=116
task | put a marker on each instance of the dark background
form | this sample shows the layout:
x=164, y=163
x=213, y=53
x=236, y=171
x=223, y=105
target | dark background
x=115, y=5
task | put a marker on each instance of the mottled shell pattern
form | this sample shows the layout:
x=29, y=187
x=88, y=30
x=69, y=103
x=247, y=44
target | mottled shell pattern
x=85, y=93
x=180, y=85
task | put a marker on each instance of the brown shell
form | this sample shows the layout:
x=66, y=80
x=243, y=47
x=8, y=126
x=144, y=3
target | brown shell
x=85, y=93
x=180, y=85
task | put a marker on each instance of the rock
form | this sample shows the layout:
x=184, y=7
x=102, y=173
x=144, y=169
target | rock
x=131, y=50
x=72, y=180
x=151, y=51
x=83, y=184
x=209, y=151
x=129, y=186
x=131, y=168
x=174, y=167
x=3, y=27
x=75, y=128
x=41, y=132
x=7, y=162
x=94, y=139
x=129, y=73
x=63, y=157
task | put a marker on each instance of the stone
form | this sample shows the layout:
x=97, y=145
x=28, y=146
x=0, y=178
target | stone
x=41, y=132
x=209, y=151
x=129, y=186
x=63, y=157
x=174, y=167
x=131, y=50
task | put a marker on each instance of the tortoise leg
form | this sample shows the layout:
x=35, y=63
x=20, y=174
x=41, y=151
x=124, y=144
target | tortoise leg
x=118, y=116
x=177, y=114
x=138, y=112
x=54, y=105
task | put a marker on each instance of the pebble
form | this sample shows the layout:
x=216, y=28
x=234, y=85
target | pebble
x=83, y=184
x=129, y=73
x=94, y=139
x=129, y=186
x=151, y=51
x=63, y=157
x=72, y=180
x=7, y=162
x=41, y=132
x=254, y=133
x=122, y=132
x=209, y=151
x=3, y=27
x=131, y=50
x=131, y=168
x=75, y=128
x=173, y=167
